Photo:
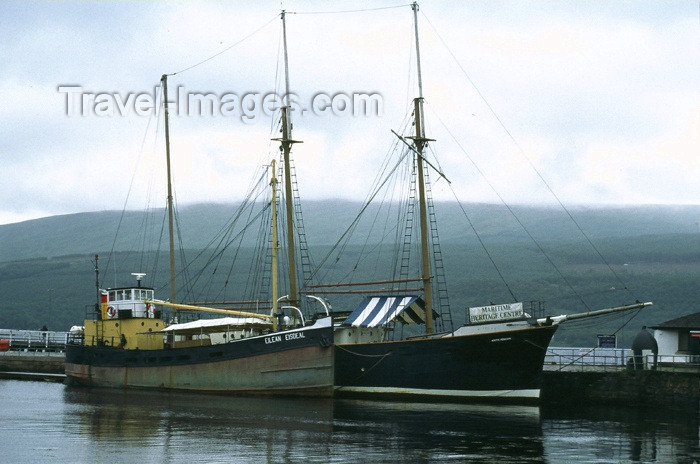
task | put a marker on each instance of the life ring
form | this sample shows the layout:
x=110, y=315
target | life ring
x=151, y=310
x=111, y=312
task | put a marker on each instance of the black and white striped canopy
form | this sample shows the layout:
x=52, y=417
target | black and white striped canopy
x=376, y=311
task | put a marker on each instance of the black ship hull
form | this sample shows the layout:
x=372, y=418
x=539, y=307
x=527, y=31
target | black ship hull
x=498, y=365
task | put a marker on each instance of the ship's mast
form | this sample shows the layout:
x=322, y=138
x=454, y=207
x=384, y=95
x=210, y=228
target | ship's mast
x=98, y=300
x=275, y=244
x=414, y=6
x=173, y=289
x=286, y=143
x=420, y=142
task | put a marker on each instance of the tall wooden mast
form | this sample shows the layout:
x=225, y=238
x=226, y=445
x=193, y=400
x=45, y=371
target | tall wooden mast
x=98, y=300
x=420, y=141
x=173, y=288
x=275, y=244
x=286, y=143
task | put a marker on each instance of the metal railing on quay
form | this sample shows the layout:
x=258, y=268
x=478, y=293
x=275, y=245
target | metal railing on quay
x=572, y=359
x=34, y=340
x=586, y=359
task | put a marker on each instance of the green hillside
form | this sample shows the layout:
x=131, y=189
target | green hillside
x=326, y=220
x=649, y=253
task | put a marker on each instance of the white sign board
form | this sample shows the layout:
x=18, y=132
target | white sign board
x=496, y=313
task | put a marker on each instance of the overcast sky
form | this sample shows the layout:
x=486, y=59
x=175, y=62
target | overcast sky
x=597, y=102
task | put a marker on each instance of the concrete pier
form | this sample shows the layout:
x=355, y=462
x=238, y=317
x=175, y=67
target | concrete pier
x=628, y=387
x=608, y=376
x=35, y=352
x=49, y=362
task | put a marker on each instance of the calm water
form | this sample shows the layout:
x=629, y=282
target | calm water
x=48, y=422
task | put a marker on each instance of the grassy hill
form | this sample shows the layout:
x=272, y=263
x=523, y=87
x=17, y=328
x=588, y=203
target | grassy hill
x=649, y=253
x=326, y=220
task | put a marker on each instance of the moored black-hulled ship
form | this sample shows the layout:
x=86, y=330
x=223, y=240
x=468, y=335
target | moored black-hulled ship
x=497, y=354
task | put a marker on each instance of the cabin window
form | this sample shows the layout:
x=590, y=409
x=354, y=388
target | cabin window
x=112, y=296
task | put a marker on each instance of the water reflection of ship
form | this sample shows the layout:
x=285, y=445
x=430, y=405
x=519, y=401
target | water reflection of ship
x=252, y=429
x=438, y=431
x=144, y=416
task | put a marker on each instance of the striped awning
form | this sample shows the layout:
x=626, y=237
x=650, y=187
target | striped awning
x=376, y=311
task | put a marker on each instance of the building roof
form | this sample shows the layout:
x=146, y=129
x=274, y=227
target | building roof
x=691, y=321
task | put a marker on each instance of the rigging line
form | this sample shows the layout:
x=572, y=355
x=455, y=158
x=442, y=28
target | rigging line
x=362, y=210
x=227, y=48
x=227, y=240
x=573, y=359
x=159, y=248
x=409, y=74
x=245, y=213
x=410, y=147
x=570, y=359
x=374, y=224
x=222, y=249
x=273, y=124
x=225, y=232
x=223, y=237
x=628, y=321
x=378, y=184
x=530, y=163
x=184, y=272
x=347, y=11
x=149, y=214
x=431, y=146
x=515, y=216
x=374, y=250
x=483, y=246
x=591, y=293
x=128, y=194
x=388, y=197
x=165, y=210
